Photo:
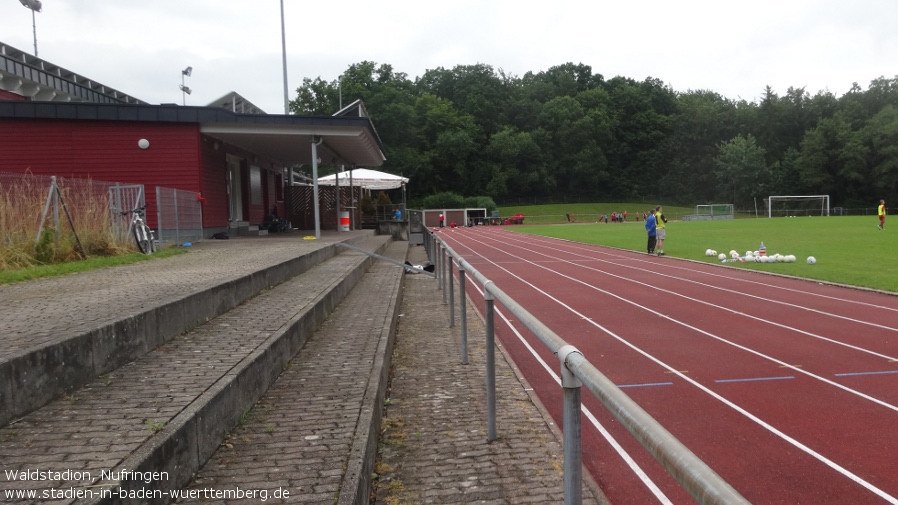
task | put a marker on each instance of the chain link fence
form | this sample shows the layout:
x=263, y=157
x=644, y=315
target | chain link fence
x=179, y=216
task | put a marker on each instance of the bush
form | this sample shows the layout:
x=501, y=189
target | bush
x=445, y=200
x=481, y=202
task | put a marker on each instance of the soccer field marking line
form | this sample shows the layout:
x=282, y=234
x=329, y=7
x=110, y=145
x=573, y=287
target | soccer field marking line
x=794, y=442
x=635, y=255
x=624, y=455
x=727, y=309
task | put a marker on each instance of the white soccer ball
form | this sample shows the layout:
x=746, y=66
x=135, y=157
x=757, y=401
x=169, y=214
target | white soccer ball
x=790, y=258
x=707, y=252
x=779, y=258
x=748, y=254
x=811, y=260
x=722, y=257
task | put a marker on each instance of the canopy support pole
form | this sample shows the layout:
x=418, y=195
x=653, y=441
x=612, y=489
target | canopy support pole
x=316, y=140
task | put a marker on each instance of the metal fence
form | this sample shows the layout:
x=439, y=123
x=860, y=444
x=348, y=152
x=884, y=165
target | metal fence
x=124, y=198
x=179, y=216
x=576, y=371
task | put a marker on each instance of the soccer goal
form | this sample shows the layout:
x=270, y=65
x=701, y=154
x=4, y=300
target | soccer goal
x=797, y=205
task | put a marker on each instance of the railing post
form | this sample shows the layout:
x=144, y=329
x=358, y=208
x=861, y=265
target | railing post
x=573, y=452
x=438, y=264
x=490, y=363
x=451, y=282
x=445, y=260
x=463, y=315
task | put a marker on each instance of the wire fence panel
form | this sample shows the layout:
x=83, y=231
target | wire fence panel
x=122, y=199
x=179, y=216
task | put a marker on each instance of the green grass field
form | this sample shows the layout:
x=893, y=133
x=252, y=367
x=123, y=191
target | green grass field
x=849, y=250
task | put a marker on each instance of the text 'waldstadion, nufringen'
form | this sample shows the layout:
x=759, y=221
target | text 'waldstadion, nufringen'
x=82, y=476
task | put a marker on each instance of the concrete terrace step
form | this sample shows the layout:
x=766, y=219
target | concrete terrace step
x=60, y=333
x=168, y=410
x=312, y=437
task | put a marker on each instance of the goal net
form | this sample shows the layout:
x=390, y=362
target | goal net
x=797, y=205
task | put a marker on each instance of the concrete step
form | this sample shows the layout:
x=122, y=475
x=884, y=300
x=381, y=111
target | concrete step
x=167, y=411
x=59, y=334
x=313, y=435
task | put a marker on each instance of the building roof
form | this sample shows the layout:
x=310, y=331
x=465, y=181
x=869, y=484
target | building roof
x=52, y=92
x=236, y=103
x=345, y=140
x=27, y=75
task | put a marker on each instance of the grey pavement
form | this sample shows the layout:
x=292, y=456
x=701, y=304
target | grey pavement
x=309, y=437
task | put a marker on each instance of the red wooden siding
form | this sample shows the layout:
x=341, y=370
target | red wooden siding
x=178, y=157
x=104, y=151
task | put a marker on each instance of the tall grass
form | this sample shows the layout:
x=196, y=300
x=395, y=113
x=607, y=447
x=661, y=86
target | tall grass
x=23, y=199
x=849, y=250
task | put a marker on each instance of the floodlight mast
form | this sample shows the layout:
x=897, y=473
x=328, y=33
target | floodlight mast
x=35, y=6
x=184, y=89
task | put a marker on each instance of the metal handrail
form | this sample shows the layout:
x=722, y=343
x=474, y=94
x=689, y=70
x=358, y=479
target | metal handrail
x=696, y=477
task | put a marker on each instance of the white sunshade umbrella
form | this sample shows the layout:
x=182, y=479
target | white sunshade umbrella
x=365, y=178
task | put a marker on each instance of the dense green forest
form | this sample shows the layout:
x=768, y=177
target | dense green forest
x=568, y=134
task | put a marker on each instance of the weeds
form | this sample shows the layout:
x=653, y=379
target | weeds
x=37, y=232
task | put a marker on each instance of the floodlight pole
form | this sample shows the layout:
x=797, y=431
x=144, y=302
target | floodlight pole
x=34, y=29
x=34, y=6
x=284, y=58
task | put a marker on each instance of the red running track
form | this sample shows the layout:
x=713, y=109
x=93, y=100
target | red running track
x=787, y=388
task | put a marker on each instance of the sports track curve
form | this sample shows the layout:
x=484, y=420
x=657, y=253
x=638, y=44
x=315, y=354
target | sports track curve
x=787, y=388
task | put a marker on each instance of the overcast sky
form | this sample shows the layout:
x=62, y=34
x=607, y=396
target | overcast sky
x=734, y=48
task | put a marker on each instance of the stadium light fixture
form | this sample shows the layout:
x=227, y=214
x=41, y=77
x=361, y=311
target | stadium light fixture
x=35, y=6
x=184, y=89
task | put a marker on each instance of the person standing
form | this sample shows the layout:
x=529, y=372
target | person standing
x=660, y=230
x=652, y=231
x=882, y=215
x=442, y=220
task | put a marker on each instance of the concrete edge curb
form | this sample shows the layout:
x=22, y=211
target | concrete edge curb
x=356, y=487
x=38, y=376
x=186, y=443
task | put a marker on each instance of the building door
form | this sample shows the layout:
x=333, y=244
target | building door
x=235, y=190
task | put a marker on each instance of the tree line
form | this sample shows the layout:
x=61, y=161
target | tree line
x=568, y=134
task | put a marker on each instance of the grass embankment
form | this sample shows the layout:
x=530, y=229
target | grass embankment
x=37, y=272
x=849, y=250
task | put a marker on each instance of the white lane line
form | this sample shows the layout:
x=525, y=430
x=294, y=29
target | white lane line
x=635, y=255
x=631, y=463
x=696, y=300
x=740, y=294
x=794, y=442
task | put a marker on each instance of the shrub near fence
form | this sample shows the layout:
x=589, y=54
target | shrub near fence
x=28, y=237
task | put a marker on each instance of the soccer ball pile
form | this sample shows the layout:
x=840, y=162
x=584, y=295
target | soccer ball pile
x=756, y=257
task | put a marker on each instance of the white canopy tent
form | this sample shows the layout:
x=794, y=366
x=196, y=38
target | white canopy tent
x=364, y=178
